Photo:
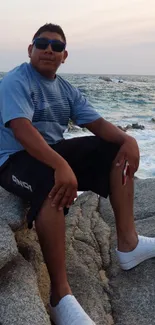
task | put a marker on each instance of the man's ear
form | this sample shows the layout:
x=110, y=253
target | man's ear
x=65, y=56
x=30, y=50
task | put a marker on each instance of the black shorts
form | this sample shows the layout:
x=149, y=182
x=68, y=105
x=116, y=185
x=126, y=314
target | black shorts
x=89, y=157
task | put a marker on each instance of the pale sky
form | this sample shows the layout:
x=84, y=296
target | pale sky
x=109, y=37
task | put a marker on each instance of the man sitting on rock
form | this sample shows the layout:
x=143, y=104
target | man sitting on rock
x=39, y=166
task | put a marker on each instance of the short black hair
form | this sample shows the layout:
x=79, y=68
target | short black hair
x=50, y=28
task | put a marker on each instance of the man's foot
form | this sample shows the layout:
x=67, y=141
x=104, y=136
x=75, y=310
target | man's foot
x=144, y=250
x=69, y=312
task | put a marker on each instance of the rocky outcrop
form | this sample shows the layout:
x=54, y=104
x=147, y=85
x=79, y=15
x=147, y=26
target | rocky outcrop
x=109, y=295
x=76, y=129
x=20, y=300
x=104, y=78
x=88, y=258
x=133, y=292
x=134, y=126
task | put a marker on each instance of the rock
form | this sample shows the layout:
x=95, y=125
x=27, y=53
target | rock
x=20, y=302
x=29, y=247
x=73, y=128
x=132, y=292
x=109, y=295
x=137, y=126
x=144, y=202
x=105, y=78
x=128, y=127
x=87, y=251
x=133, y=126
x=152, y=119
x=12, y=209
x=12, y=215
x=8, y=246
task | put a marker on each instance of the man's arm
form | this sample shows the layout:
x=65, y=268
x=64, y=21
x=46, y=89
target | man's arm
x=34, y=143
x=107, y=131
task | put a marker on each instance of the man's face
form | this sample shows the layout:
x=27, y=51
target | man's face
x=46, y=61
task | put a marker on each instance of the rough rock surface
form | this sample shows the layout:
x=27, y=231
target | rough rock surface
x=144, y=202
x=88, y=258
x=11, y=209
x=20, y=301
x=8, y=247
x=134, y=126
x=109, y=295
x=28, y=246
x=133, y=292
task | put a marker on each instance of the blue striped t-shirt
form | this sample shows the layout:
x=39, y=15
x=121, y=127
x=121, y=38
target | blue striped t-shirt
x=48, y=104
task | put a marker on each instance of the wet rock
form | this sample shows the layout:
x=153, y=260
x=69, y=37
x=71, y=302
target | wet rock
x=131, y=126
x=73, y=128
x=107, y=79
x=138, y=126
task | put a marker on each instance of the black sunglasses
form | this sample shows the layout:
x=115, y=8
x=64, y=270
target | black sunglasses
x=43, y=43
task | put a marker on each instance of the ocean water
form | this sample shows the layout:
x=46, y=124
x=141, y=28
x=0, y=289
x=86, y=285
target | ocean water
x=123, y=100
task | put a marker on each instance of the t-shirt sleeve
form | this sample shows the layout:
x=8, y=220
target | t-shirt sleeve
x=82, y=111
x=15, y=101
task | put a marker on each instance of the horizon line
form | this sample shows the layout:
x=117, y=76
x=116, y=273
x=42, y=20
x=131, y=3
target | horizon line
x=98, y=74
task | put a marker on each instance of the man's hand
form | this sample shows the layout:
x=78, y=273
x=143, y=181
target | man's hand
x=128, y=151
x=65, y=189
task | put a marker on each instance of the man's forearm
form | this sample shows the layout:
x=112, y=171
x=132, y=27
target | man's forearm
x=34, y=143
x=107, y=131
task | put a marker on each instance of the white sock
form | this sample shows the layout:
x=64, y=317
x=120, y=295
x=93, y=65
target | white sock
x=144, y=250
x=69, y=312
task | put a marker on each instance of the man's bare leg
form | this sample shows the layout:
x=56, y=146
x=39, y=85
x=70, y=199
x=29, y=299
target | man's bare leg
x=121, y=198
x=50, y=227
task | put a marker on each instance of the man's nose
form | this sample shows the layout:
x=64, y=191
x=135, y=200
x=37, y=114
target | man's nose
x=49, y=49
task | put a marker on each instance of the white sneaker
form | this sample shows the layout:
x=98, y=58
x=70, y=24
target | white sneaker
x=69, y=312
x=144, y=250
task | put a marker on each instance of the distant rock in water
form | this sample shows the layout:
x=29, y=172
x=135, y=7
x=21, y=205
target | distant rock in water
x=74, y=128
x=137, y=126
x=132, y=126
x=153, y=119
x=108, y=79
x=105, y=78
